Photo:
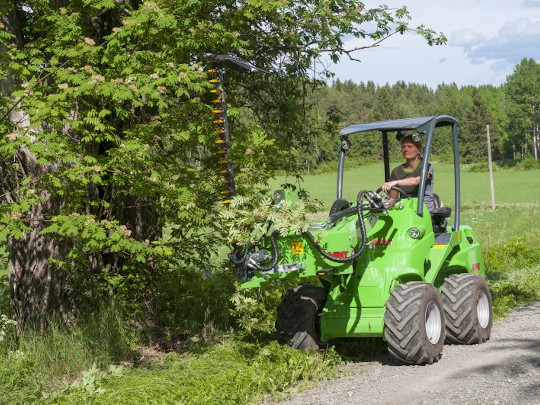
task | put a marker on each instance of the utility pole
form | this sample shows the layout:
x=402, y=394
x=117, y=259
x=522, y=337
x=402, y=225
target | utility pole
x=490, y=170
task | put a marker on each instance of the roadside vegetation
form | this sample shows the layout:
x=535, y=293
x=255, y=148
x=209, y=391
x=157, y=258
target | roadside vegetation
x=218, y=350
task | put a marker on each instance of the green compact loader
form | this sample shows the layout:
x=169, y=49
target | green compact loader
x=388, y=267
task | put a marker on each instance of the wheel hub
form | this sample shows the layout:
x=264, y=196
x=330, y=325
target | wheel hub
x=482, y=309
x=433, y=322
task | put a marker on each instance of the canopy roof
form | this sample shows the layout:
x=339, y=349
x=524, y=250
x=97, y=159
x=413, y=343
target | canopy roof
x=405, y=124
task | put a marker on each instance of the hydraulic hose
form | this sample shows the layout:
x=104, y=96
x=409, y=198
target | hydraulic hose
x=356, y=255
x=275, y=252
x=232, y=257
x=275, y=255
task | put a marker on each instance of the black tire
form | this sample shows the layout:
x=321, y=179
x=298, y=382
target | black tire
x=414, y=323
x=339, y=205
x=468, y=309
x=297, y=322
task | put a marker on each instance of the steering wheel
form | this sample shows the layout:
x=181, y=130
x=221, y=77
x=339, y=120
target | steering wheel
x=399, y=190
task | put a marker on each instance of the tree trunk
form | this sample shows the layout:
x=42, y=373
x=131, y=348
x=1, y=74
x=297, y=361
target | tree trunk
x=535, y=138
x=37, y=283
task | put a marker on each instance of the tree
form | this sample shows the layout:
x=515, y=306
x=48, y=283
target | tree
x=473, y=131
x=107, y=130
x=523, y=91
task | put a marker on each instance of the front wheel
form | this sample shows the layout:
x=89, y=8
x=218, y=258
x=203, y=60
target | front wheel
x=298, y=315
x=468, y=309
x=414, y=323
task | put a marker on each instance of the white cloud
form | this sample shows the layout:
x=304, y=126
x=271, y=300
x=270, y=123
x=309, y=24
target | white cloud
x=515, y=40
x=530, y=4
x=466, y=38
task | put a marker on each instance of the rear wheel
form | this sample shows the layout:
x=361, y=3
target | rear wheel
x=298, y=315
x=468, y=309
x=414, y=323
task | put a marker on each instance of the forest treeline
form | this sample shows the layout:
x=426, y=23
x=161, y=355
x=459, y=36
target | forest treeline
x=510, y=110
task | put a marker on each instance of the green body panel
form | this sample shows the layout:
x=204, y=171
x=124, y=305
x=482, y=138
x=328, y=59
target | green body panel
x=358, y=290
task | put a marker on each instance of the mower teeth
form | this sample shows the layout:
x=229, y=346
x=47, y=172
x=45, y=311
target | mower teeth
x=219, y=109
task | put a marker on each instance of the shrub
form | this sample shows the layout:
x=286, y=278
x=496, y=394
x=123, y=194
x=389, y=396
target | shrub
x=480, y=167
x=190, y=303
x=255, y=309
x=527, y=164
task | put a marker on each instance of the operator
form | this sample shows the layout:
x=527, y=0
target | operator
x=407, y=175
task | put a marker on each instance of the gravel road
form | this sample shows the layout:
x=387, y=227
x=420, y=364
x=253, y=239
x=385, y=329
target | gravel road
x=505, y=370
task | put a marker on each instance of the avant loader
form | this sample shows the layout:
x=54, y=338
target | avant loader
x=386, y=267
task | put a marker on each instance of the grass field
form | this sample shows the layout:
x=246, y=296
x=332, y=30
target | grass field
x=510, y=186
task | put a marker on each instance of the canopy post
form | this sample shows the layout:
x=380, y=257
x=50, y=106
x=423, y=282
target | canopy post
x=386, y=156
x=341, y=165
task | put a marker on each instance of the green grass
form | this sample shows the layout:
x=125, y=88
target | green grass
x=230, y=373
x=510, y=239
x=34, y=363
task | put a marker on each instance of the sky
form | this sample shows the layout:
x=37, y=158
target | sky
x=486, y=40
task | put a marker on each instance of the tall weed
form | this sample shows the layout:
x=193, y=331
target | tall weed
x=107, y=336
x=36, y=362
x=20, y=382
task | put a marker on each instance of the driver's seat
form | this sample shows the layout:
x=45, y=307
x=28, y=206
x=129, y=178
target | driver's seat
x=439, y=215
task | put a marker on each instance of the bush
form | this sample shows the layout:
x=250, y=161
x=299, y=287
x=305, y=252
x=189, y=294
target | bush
x=255, y=309
x=480, y=167
x=527, y=164
x=189, y=302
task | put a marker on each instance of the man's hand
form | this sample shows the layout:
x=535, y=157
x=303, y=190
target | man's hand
x=386, y=187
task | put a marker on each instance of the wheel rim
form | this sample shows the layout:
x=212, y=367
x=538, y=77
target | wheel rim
x=433, y=322
x=482, y=309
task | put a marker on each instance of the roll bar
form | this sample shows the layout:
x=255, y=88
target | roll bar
x=425, y=125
